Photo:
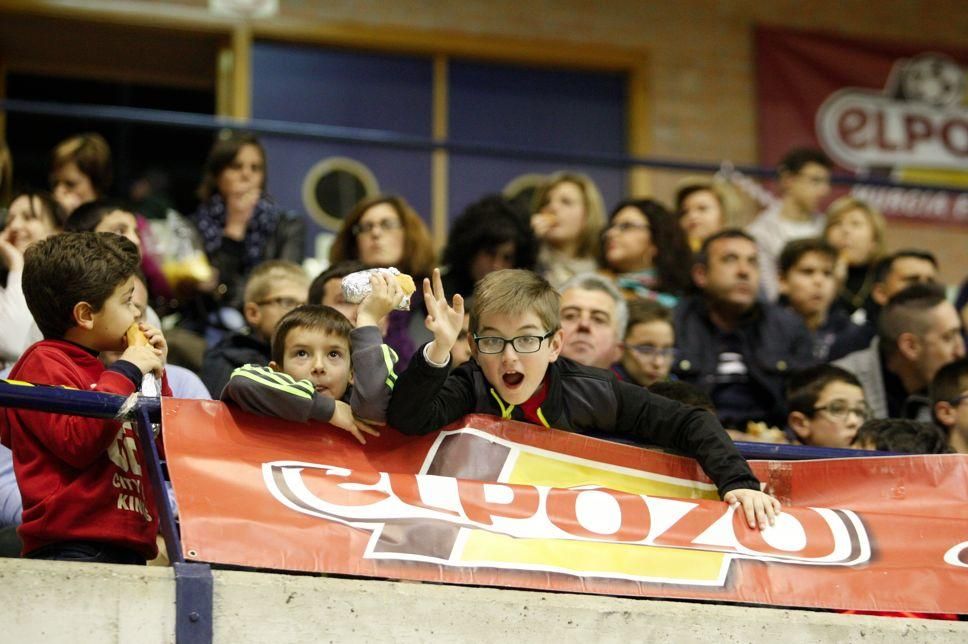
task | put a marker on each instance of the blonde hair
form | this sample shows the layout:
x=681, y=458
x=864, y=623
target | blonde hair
x=92, y=155
x=514, y=291
x=589, y=243
x=839, y=208
x=265, y=275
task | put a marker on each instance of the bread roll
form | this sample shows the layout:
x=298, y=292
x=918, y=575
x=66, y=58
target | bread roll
x=136, y=337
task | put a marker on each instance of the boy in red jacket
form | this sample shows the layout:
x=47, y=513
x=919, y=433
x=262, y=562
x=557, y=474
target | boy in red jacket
x=86, y=493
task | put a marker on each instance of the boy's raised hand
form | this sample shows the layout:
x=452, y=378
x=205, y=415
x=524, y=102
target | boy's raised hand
x=385, y=295
x=443, y=320
x=760, y=508
x=344, y=419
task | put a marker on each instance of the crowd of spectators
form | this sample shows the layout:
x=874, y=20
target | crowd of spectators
x=803, y=327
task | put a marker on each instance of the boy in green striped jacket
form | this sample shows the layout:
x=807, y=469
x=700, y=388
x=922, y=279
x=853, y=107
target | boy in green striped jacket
x=323, y=369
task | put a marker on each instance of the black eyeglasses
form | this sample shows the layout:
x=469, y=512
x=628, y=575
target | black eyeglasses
x=954, y=402
x=288, y=303
x=839, y=409
x=385, y=225
x=652, y=351
x=521, y=344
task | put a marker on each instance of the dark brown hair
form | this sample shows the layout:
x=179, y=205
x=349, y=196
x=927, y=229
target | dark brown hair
x=324, y=319
x=65, y=269
x=221, y=156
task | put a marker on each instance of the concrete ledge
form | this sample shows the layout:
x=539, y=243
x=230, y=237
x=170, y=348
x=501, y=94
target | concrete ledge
x=62, y=602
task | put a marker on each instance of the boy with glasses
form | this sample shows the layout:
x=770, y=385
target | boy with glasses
x=274, y=288
x=649, y=346
x=827, y=406
x=949, y=400
x=517, y=373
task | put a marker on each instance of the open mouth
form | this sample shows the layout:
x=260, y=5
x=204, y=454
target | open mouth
x=321, y=389
x=512, y=378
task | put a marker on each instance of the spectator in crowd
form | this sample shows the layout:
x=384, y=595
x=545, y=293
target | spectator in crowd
x=80, y=170
x=489, y=235
x=918, y=333
x=385, y=231
x=32, y=216
x=901, y=269
x=683, y=392
x=807, y=287
x=273, y=289
x=961, y=302
x=901, y=436
x=79, y=289
x=323, y=369
x=240, y=228
x=594, y=316
x=644, y=252
x=183, y=382
x=105, y=216
x=703, y=207
x=856, y=230
x=804, y=182
x=327, y=289
x=826, y=405
x=949, y=401
x=568, y=219
x=734, y=347
x=649, y=346
x=517, y=374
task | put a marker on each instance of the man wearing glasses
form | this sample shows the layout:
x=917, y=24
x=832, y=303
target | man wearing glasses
x=827, y=406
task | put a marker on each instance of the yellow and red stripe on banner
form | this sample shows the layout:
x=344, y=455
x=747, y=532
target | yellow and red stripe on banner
x=495, y=502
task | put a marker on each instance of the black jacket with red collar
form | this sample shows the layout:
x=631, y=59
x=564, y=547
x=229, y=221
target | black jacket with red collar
x=580, y=399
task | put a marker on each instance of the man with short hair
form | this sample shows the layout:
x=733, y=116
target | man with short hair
x=918, y=333
x=736, y=348
x=593, y=316
x=949, y=401
x=804, y=175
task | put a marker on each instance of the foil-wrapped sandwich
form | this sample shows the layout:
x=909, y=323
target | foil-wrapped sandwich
x=356, y=286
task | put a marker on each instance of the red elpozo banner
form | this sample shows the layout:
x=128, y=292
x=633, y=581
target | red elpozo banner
x=877, y=108
x=501, y=503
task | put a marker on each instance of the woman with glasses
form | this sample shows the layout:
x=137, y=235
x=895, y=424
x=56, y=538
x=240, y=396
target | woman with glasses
x=385, y=231
x=645, y=253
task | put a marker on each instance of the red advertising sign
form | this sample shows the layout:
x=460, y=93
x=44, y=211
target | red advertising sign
x=500, y=503
x=888, y=110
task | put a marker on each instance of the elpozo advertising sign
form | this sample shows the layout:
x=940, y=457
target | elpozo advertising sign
x=879, y=110
x=494, y=502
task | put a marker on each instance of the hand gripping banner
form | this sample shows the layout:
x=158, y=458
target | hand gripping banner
x=493, y=502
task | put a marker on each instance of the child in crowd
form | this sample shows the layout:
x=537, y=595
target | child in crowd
x=949, y=400
x=327, y=288
x=901, y=436
x=85, y=494
x=649, y=347
x=517, y=374
x=319, y=362
x=827, y=406
x=274, y=288
x=808, y=288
